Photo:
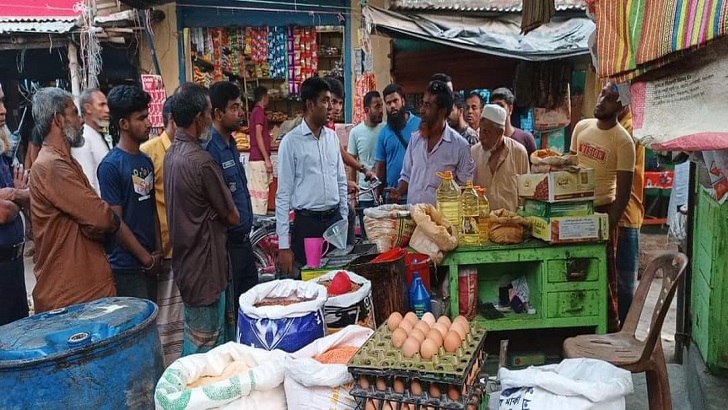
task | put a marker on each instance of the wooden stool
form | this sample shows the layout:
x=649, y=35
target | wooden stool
x=623, y=349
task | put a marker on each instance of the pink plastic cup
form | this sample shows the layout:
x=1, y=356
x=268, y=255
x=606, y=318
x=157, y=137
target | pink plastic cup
x=314, y=250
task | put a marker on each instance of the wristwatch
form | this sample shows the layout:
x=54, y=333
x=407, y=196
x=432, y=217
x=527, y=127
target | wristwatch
x=363, y=169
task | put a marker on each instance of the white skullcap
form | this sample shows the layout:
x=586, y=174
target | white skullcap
x=494, y=113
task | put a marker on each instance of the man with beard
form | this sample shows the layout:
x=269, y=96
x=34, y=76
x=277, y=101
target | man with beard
x=227, y=114
x=473, y=110
x=200, y=209
x=603, y=144
x=363, y=142
x=394, y=137
x=456, y=120
x=71, y=223
x=126, y=180
x=505, y=98
x=498, y=160
x=14, y=196
x=311, y=177
x=95, y=111
x=435, y=147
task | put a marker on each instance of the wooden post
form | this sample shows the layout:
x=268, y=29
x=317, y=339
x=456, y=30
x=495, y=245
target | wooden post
x=73, y=68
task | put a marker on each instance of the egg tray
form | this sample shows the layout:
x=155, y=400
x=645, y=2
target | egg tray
x=378, y=358
x=474, y=399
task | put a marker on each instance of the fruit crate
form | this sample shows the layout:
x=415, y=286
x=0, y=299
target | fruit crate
x=381, y=370
x=475, y=399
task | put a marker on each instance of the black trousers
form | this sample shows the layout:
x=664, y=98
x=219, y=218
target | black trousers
x=242, y=265
x=135, y=284
x=309, y=226
x=13, y=296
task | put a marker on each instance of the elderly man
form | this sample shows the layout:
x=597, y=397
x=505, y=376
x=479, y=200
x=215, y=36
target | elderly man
x=434, y=148
x=603, y=144
x=200, y=209
x=71, y=223
x=498, y=160
x=95, y=111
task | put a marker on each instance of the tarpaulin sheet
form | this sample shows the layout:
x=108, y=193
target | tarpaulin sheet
x=561, y=38
x=635, y=36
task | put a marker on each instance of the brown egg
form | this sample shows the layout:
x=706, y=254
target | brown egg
x=452, y=341
x=398, y=337
x=464, y=324
x=371, y=404
x=364, y=382
x=381, y=384
x=417, y=334
x=406, y=325
x=429, y=318
x=453, y=393
x=388, y=405
x=442, y=328
x=423, y=327
x=458, y=328
x=434, y=390
x=410, y=347
x=444, y=320
x=411, y=317
x=398, y=386
x=436, y=337
x=428, y=348
x=394, y=320
x=415, y=387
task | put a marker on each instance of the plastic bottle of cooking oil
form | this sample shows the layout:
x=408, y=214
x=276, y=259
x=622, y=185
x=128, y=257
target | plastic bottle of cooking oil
x=469, y=214
x=483, y=216
x=448, y=199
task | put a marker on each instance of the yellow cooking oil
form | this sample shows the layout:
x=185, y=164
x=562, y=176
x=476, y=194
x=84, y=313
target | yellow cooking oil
x=469, y=215
x=448, y=199
x=483, y=216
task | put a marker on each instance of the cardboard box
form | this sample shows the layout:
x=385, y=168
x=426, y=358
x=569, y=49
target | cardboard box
x=546, y=210
x=570, y=229
x=558, y=186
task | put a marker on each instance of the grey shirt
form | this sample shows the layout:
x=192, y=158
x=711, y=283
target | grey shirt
x=311, y=176
x=451, y=153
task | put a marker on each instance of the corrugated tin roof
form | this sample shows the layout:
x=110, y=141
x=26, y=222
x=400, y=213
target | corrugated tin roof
x=59, y=25
x=486, y=6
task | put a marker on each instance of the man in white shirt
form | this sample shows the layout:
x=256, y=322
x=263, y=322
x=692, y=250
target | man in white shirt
x=95, y=111
x=311, y=177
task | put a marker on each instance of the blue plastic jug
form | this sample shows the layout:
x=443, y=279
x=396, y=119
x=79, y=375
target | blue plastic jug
x=419, y=297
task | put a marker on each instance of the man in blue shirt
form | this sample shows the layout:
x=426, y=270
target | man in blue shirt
x=227, y=113
x=311, y=177
x=126, y=181
x=13, y=196
x=394, y=138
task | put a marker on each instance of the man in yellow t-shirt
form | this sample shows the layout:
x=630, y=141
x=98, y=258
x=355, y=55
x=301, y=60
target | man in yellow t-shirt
x=628, y=244
x=171, y=310
x=603, y=144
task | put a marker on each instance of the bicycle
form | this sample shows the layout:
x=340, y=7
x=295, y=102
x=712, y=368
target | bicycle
x=264, y=240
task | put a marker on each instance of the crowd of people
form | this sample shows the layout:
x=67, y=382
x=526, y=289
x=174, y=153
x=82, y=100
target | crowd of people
x=168, y=218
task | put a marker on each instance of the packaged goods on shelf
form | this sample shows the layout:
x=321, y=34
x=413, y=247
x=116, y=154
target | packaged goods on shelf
x=546, y=210
x=558, y=186
x=571, y=229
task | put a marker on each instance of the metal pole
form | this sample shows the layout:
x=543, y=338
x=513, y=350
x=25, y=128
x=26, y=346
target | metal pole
x=682, y=325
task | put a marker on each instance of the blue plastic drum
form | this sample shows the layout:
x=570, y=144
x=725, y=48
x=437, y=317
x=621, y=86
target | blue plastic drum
x=100, y=355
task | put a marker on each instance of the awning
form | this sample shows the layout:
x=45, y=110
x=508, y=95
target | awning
x=561, y=38
x=39, y=16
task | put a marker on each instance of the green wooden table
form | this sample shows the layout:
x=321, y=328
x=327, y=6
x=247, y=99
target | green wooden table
x=567, y=283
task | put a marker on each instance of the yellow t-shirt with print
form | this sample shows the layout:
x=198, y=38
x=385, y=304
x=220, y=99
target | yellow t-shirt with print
x=634, y=214
x=607, y=151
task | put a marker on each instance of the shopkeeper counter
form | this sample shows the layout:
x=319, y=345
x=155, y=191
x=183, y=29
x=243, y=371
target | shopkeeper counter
x=567, y=283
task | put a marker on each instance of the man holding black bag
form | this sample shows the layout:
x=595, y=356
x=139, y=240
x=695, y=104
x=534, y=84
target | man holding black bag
x=394, y=138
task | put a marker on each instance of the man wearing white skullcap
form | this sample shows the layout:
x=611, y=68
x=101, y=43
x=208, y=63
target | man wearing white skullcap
x=498, y=160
